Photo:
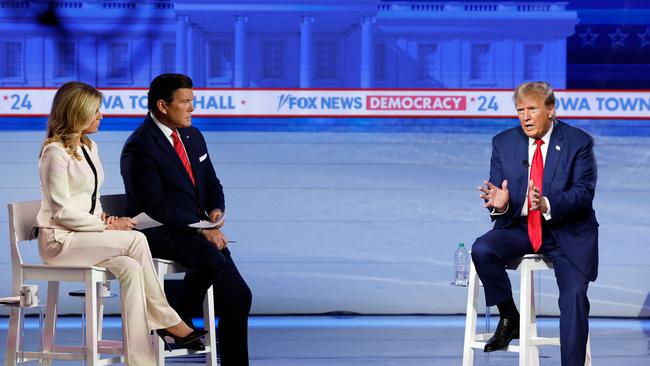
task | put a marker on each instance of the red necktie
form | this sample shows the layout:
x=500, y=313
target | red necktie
x=182, y=155
x=535, y=217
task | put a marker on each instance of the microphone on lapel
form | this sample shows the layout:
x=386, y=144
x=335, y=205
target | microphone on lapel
x=525, y=163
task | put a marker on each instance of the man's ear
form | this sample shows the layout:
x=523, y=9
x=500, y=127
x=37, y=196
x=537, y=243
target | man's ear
x=551, y=112
x=162, y=106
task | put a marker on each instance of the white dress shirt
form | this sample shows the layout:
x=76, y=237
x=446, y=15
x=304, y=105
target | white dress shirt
x=167, y=132
x=531, y=152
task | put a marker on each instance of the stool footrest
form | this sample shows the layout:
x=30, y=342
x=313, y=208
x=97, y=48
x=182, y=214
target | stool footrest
x=482, y=337
x=73, y=357
x=32, y=356
x=545, y=341
x=108, y=347
x=481, y=345
x=185, y=352
x=480, y=342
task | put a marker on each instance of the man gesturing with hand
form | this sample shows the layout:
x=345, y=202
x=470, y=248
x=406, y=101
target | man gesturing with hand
x=539, y=195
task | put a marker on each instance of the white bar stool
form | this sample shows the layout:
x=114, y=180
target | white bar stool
x=103, y=293
x=22, y=355
x=529, y=342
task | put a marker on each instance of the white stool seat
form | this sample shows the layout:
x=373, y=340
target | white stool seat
x=529, y=342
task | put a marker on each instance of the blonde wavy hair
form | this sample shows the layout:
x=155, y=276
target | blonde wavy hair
x=74, y=108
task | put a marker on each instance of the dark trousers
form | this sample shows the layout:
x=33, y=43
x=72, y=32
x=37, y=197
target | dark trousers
x=492, y=251
x=207, y=266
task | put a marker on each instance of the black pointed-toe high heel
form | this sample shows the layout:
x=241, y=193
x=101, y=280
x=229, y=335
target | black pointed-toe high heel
x=190, y=341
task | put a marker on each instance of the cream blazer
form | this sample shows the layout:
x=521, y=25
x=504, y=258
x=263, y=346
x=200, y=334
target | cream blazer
x=67, y=185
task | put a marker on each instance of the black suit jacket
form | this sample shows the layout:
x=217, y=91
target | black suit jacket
x=157, y=183
x=569, y=184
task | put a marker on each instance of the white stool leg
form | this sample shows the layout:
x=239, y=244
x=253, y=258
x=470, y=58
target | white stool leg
x=470, y=317
x=534, y=350
x=210, y=326
x=588, y=356
x=100, y=311
x=13, y=336
x=92, y=356
x=158, y=349
x=525, y=314
x=50, y=319
x=158, y=345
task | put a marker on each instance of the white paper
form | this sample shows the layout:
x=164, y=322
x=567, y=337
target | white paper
x=203, y=225
x=145, y=221
x=209, y=224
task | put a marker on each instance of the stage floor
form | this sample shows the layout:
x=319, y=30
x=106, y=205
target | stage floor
x=384, y=341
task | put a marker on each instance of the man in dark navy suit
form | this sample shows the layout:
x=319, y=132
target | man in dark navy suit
x=540, y=194
x=168, y=174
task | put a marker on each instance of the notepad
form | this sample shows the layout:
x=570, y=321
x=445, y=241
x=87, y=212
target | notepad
x=203, y=224
x=145, y=221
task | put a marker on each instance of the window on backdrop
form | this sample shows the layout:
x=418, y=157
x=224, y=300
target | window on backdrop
x=326, y=57
x=273, y=59
x=65, y=59
x=119, y=60
x=11, y=59
x=428, y=62
x=220, y=59
x=380, y=61
x=168, y=57
x=532, y=61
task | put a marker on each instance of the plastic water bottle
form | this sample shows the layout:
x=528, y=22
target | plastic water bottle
x=461, y=265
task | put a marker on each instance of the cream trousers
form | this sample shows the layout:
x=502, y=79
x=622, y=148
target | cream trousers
x=125, y=253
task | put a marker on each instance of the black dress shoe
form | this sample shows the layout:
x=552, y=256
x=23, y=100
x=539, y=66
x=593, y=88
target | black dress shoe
x=507, y=330
x=195, y=345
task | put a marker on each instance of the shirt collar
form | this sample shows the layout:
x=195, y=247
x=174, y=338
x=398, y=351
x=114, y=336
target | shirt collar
x=165, y=130
x=546, y=138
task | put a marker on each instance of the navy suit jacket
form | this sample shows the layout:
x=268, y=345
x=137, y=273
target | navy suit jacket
x=157, y=183
x=569, y=184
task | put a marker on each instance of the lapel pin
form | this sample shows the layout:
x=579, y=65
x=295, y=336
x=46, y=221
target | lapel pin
x=557, y=147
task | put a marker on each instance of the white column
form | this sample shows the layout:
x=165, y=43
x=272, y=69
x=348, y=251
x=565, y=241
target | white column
x=367, y=53
x=198, y=76
x=305, y=51
x=191, y=47
x=181, y=44
x=240, y=52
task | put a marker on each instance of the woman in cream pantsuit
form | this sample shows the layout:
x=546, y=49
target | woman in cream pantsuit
x=76, y=231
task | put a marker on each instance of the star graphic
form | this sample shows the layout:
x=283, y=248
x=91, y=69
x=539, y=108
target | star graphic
x=5, y=97
x=645, y=37
x=472, y=99
x=588, y=38
x=618, y=38
x=243, y=102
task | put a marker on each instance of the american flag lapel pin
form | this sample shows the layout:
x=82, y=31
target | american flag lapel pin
x=557, y=147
